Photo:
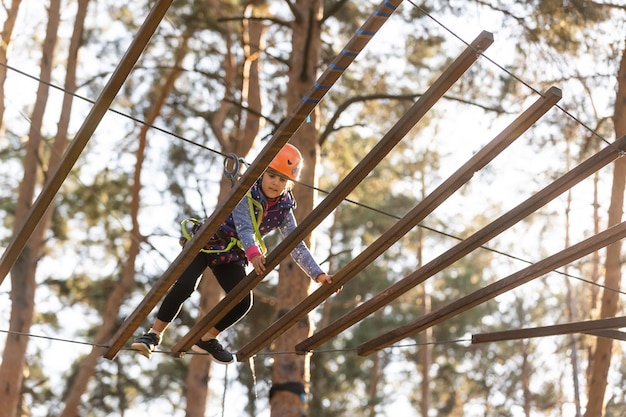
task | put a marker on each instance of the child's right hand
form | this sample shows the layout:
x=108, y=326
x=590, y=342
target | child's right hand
x=258, y=262
x=328, y=280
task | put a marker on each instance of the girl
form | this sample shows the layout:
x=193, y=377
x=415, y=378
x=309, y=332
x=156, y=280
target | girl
x=268, y=205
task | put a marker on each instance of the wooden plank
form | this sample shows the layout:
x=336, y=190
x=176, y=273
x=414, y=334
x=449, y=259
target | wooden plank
x=489, y=292
x=610, y=334
x=323, y=84
x=421, y=106
x=522, y=123
x=51, y=188
x=590, y=326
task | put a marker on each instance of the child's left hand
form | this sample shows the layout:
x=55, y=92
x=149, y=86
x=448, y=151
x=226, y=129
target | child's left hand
x=324, y=279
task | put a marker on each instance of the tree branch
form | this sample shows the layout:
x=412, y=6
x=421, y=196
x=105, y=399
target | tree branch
x=334, y=8
x=297, y=16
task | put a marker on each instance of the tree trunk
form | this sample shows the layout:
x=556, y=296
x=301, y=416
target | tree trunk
x=61, y=139
x=425, y=355
x=5, y=41
x=293, y=283
x=199, y=371
x=525, y=375
x=602, y=355
x=571, y=309
x=425, y=351
x=253, y=47
x=374, y=382
x=244, y=138
x=23, y=273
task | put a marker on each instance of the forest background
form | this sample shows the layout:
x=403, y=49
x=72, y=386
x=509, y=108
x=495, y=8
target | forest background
x=219, y=77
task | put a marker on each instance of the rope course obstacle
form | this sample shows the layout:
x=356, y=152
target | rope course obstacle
x=223, y=209
x=242, y=182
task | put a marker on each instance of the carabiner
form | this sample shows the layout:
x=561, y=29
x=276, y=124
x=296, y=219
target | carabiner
x=234, y=173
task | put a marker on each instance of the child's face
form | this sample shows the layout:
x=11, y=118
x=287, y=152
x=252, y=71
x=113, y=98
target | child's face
x=273, y=185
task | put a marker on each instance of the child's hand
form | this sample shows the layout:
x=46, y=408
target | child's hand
x=258, y=262
x=326, y=279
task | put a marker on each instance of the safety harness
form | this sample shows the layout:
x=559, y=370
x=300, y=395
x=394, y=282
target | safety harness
x=256, y=224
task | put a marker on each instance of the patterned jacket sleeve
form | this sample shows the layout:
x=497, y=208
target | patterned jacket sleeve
x=300, y=253
x=243, y=224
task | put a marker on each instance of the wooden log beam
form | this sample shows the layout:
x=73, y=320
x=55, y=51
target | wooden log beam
x=421, y=106
x=590, y=327
x=610, y=334
x=101, y=105
x=523, y=122
x=323, y=84
x=491, y=291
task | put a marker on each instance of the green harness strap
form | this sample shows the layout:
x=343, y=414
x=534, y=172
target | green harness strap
x=256, y=222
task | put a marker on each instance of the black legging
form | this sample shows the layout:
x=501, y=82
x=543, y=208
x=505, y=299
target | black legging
x=228, y=276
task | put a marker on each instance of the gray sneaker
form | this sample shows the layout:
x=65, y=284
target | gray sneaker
x=146, y=344
x=215, y=349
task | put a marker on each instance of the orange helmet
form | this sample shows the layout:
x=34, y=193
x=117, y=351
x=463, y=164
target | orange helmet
x=288, y=162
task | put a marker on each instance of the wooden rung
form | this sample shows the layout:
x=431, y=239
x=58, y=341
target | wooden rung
x=590, y=326
x=610, y=334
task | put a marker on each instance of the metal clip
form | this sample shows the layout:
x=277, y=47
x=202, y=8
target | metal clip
x=233, y=173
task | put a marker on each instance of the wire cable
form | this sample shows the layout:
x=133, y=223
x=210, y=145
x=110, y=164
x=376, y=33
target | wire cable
x=112, y=110
x=191, y=353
